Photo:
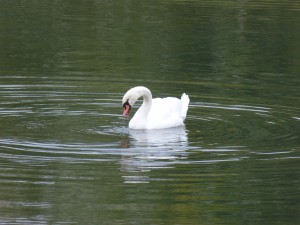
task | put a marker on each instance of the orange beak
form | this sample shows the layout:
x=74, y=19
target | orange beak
x=126, y=110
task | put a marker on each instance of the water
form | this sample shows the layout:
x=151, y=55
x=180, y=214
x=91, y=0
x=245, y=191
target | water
x=66, y=154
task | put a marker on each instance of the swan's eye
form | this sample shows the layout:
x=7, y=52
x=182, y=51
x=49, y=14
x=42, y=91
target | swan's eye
x=126, y=104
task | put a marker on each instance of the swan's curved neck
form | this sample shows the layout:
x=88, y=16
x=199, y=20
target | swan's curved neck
x=139, y=119
x=147, y=102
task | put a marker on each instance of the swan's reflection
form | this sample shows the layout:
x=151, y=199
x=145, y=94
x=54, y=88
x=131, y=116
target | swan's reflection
x=145, y=150
x=162, y=137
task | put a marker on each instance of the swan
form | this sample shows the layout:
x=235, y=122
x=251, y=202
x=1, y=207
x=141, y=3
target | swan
x=157, y=113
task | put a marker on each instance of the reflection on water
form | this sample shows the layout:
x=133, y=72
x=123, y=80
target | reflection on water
x=168, y=138
x=152, y=149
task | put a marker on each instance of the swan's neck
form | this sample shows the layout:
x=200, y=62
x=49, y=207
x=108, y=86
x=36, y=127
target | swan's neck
x=140, y=118
x=144, y=110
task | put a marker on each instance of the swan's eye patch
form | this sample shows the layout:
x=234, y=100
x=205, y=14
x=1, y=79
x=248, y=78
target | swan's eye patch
x=126, y=104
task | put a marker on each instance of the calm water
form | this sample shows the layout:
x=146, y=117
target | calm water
x=66, y=154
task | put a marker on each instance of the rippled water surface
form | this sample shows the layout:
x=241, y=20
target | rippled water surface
x=67, y=155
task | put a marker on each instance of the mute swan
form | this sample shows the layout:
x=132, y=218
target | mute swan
x=157, y=113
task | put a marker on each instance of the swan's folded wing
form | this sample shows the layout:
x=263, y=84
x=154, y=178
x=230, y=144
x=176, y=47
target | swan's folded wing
x=163, y=108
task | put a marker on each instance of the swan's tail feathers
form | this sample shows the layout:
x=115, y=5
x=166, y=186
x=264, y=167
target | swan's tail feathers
x=185, y=100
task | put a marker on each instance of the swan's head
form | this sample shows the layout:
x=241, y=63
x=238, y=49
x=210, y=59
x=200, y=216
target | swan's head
x=128, y=101
x=126, y=108
x=131, y=96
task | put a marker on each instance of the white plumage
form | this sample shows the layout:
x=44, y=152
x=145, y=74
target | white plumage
x=157, y=113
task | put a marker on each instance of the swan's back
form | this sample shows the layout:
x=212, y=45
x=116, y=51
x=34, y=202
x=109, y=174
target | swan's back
x=168, y=112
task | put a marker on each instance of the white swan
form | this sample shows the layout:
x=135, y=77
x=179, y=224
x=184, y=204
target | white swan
x=157, y=113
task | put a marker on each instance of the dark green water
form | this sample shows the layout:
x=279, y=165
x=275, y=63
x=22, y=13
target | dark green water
x=66, y=154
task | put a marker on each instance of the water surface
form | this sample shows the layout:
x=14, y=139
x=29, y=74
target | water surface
x=67, y=155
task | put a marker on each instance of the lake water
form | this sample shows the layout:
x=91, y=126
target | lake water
x=67, y=155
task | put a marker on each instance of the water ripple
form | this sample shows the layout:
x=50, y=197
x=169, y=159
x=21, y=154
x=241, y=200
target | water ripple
x=87, y=126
